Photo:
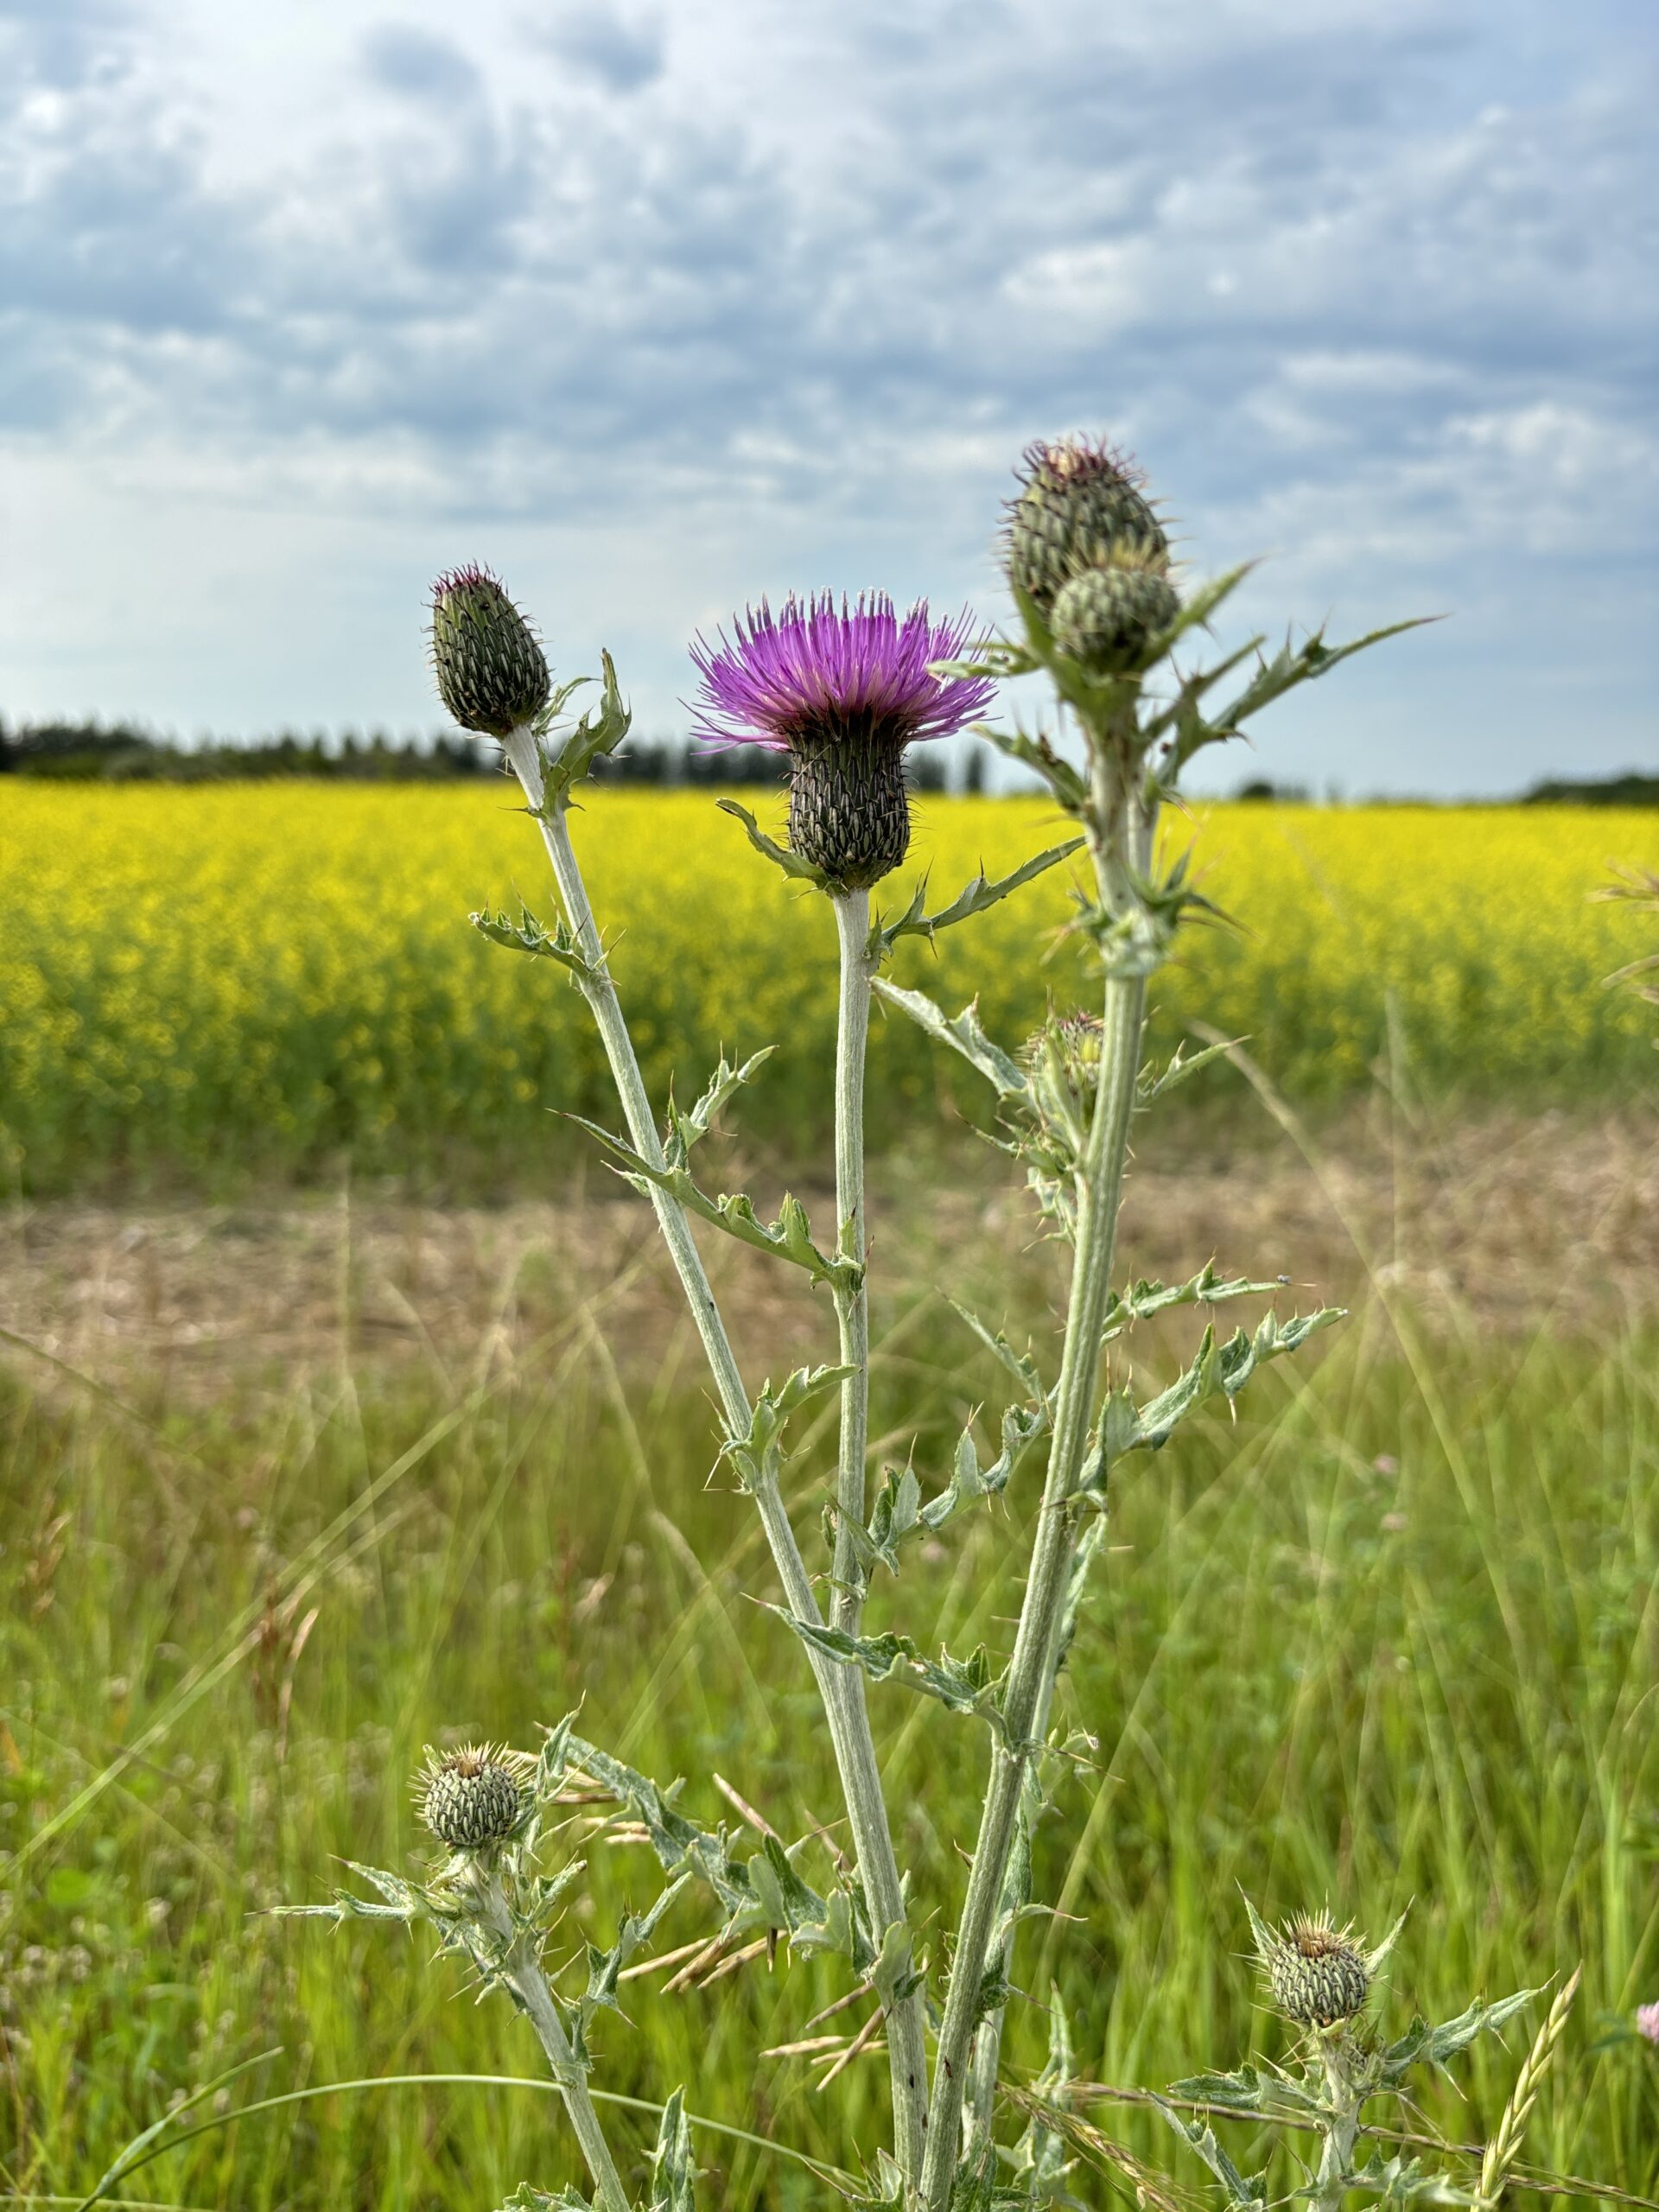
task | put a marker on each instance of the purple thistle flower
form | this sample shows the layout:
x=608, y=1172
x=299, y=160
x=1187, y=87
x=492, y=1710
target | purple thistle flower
x=842, y=691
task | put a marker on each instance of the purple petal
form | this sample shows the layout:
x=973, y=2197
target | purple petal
x=822, y=673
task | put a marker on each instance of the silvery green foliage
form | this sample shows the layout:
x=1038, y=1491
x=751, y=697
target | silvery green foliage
x=1103, y=621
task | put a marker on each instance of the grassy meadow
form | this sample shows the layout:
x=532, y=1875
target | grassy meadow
x=1388, y=1638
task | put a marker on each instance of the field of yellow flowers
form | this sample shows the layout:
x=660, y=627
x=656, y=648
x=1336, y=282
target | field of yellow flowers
x=274, y=975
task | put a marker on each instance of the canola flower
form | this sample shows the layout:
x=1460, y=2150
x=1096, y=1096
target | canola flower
x=192, y=979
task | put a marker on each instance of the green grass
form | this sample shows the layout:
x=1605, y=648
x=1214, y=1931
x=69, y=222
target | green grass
x=1307, y=1674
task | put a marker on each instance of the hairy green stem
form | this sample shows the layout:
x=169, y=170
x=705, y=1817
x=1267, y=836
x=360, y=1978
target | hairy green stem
x=1341, y=2130
x=852, y=1305
x=1031, y=1676
x=522, y=1969
x=842, y=1688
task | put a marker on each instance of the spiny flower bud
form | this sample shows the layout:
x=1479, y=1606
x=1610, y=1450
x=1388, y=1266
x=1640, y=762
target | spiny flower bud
x=473, y=1798
x=1108, y=618
x=1317, y=1975
x=492, y=674
x=1079, y=505
x=848, y=809
x=1074, y=1037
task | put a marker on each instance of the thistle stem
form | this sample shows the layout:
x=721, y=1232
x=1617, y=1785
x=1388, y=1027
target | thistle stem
x=1341, y=2130
x=523, y=1971
x=842, y=1688
x=1031, y=1674
x=852, y=1305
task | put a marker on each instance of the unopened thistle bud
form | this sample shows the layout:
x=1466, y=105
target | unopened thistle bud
x=1318, y=1976
x=474, y=1797
x=491, y=673
x=1110, y=619
x=1080, y=506
x=1069, y=1043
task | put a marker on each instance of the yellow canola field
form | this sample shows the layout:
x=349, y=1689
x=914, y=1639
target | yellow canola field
x=272, y=974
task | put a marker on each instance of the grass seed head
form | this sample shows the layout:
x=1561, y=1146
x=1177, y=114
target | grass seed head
x=473, y=1798
x=491, y=673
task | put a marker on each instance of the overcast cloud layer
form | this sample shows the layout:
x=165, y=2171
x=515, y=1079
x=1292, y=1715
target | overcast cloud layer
x=658, y=309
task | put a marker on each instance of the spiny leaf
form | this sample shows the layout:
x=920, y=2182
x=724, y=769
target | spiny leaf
x=965, y=1685
x=1149, y=1087
x=1290, y=666
x=1020, y=1364
x=1422, y=2044
x=964, y=1034
x=789, y=1237
x=672, y=2172
x=605, y=1967
x=1218, y=1370
x=686, y=1130
x=1253, y=2095
x=779, y=855
x=755, y=1890
x=973, y=899
x=758, y=1456
x=1070, y=789
x=527, y=935
x=598, y=733
x=1204, y=1289
x=1201, y=2137
x=1401, y=2181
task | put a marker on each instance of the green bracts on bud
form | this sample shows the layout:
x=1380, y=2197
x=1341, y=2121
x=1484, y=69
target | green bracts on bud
x=1080, y=506
x=491, y=673
x=1110, y=619
x=473, y=1798
x=849, y=809
x=1318, y=1976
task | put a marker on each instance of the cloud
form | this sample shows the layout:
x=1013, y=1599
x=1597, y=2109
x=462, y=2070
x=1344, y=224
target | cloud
x=621, y=53
x=420, y=66
x=1365, y=283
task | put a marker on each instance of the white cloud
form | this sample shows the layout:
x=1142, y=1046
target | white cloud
x=687, y=317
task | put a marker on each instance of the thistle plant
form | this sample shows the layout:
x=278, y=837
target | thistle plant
x=1321, y=1979
x=844, y=690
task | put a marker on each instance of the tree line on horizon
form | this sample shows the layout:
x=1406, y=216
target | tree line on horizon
x=93, y=751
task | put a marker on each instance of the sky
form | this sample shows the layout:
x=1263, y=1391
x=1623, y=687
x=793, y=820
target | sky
x=657, y=308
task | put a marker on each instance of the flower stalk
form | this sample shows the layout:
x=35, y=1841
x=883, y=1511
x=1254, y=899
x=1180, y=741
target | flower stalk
x=1098, y=1186
x=852, y=1299
x=521, y=1968
x=842, y=1688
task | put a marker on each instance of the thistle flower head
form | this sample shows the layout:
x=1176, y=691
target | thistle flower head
x=1111, y=618
x=476, y=1798
x=1079, y=503
x=491, y=673
x=842, y=691
x=1317, y=1974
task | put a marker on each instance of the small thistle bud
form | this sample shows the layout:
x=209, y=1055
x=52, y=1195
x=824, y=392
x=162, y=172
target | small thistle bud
x=473, y=1798
x=1070, y=1044
x=1108, y=618
x=491, y=673
x=1317, y=1975
x=1079, y=505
